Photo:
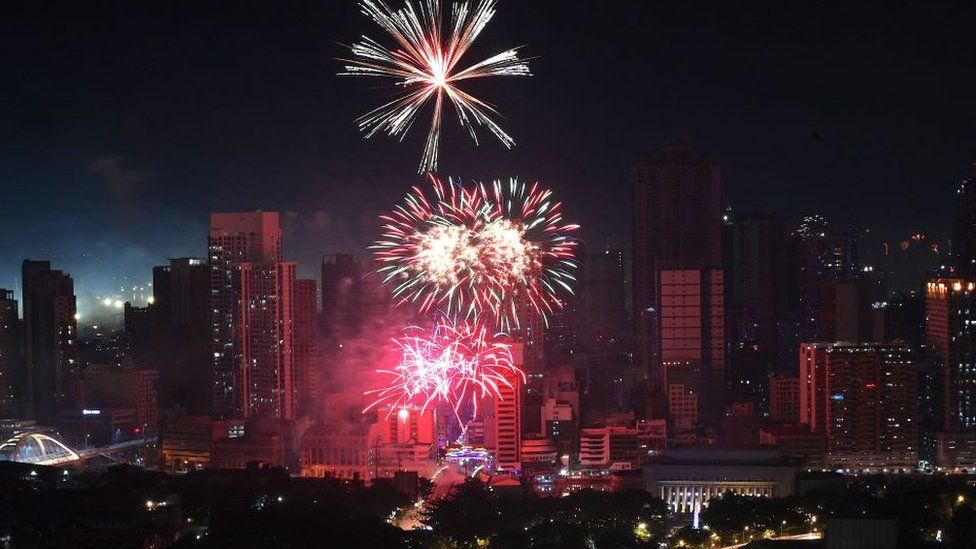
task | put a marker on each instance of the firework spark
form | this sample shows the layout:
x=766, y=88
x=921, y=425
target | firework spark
x=424, y=63
x=481, y=252
x=455, y=362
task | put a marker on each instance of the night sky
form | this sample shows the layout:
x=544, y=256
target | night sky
x=125, y=123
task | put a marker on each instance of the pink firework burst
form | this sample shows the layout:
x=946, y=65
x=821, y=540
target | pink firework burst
x=458, y=363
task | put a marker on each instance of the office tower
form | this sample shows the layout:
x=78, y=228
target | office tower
x=950, y=335
x=756, y=275
x=813, y=385
x=863, y=398
x=692, y=314
x=9, y=354
x=181, y=341
x=831, y=293
x=964, y=228
x=530, y=335
x=603, y=295
x=50, y=330
x=138, y=334
x=304, y=347
x=342, y=293
x=677, y=225
x=249, y=351
x=503, y=421
x=264, y=340
x=784, y=398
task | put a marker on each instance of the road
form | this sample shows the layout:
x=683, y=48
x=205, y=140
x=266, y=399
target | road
x=444, y=481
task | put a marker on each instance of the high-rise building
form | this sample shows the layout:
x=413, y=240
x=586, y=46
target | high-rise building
x=251, y=346
x=503, y=424
x=181, y=340
x=677, y=229
x=757, y=273
x=756, y=277
x=964, y=227
x=950, y=335
x=51, y=339
x=9, y=353
x=304, y=346
x=784, y=398
x=691, y=315
x=832, y=296
x=863, y=398
x=603, y=294
x=677, y=225
x=342, y=293
x=264, y=340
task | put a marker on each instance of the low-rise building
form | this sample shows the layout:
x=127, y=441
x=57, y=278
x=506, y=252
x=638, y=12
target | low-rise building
x=687, y=479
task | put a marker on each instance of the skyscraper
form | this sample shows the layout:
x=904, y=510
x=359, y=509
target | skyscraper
x=304, y=348
x=863, y=398
x=950, y=334
x=50, y=329
x=691, y=334
x=181, y=341
x=964, y=227
x=603, y=294
x=756, y=272
x=264, y=379
x=503, y=424
x=677, y=226
x=245, y=250
x=9, y=353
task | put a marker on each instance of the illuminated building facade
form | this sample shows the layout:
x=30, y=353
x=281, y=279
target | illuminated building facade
x=51, y=337
x=402, y=440
x=687, y=479
x=503, y=422
x=539, y=454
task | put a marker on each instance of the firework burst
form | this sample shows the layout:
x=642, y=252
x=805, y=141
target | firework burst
x=480, y=252
x=425, y=63
x=455, y=362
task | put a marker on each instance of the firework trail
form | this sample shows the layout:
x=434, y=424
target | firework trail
x=482, y=252
x=454, y=362
x=425, y=63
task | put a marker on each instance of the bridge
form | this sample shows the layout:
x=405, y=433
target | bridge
x=39, y=448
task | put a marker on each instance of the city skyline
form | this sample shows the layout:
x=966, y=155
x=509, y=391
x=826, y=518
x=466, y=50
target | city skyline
x=712, y=286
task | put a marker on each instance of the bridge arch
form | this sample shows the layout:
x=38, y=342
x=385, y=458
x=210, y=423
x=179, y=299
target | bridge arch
x=36, y=449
